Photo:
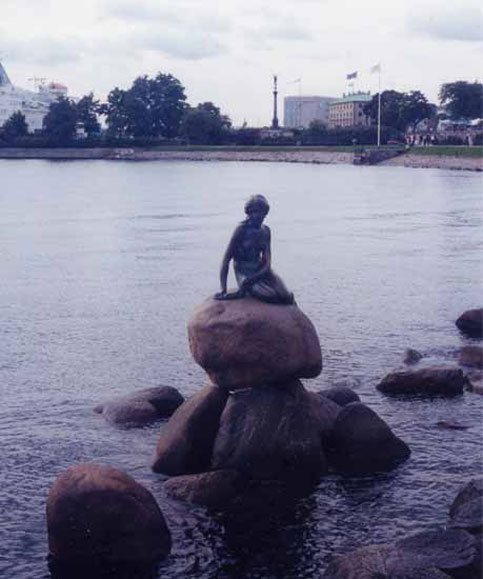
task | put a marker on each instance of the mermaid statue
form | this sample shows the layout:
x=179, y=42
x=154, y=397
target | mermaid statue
x=249, y=248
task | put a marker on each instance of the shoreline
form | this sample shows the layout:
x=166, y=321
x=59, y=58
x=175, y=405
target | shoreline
x=409, y=160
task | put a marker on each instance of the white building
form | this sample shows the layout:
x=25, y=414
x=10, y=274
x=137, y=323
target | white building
x=33, y=105
x=300, y=111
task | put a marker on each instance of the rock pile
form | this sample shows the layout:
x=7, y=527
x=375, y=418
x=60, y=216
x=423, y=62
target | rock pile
x=256, y=420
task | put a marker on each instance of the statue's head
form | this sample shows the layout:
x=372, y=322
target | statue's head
x=257, y=204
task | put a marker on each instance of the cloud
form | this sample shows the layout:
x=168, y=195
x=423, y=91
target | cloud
x=451, y=22
x=42, y=50
x=179, y=44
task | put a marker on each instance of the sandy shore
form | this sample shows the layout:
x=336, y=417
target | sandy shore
x=436, y=162
x=280, y=156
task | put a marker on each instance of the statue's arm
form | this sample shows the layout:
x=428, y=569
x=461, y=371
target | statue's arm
x=225, y=263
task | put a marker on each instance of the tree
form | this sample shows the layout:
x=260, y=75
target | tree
x=205, y=125
x=416, y=108
x=15, y=126
x=61, y=120
x=400, y=110
x=462, y=99
x=391, y=109
x=152, y=107
x=87, y=110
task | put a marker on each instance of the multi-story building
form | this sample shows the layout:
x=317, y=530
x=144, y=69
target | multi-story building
x=348, y=111
x=300, y=111
x=33, y=105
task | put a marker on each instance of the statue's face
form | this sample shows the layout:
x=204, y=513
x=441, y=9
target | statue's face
x=256, y=215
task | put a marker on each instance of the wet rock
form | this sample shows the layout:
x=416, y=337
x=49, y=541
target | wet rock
x=274, y=432
x=99, y=517
x=412, y=357
x=243, y=343
x=141, y=407
x=210, y=489
x=470, y=323
x=451, y=425
x=453, y=552
x=362, y=442
x=426, y=381
x=466, y=512
x=471, y=356
x=185, y=445
x=340, y=395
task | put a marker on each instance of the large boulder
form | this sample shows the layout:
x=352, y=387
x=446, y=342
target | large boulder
x=209, y=489
x=471, y=356
x=341, y=395
x=141, y=407
x=471, y=323
x=442, y=381
x=466, y=512
x=451, y=552
x=98, y=518
x=185, y=445
x=246, y=342
x=362, y=442
x=275, y=432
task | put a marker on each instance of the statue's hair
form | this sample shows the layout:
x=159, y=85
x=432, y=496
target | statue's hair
x=257, y=202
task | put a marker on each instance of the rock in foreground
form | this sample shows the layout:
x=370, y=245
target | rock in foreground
x=99, y=517
x=141, y=407
x=362, y=442
x=341, y=395
x=427, y=382
x=245, y=342
x=273, y=432
x=466, y=512
x=185, y=445
x=471, y=323
x=427, y=555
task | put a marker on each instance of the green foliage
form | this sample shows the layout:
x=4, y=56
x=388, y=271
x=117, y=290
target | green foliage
x=60, y=122
x=400, y=110
x=152, y=107
x=205, y=125
x=14, y=127
x=462, y=99
x=87, y=110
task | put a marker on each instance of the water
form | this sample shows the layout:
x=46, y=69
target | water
x=102, y=264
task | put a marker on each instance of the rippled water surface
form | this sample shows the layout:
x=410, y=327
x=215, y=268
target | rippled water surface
x=103, y=262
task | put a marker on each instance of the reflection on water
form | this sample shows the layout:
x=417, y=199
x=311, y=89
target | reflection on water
x=102, y=264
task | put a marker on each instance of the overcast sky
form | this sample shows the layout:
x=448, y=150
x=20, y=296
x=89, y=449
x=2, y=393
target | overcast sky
x=226, y=51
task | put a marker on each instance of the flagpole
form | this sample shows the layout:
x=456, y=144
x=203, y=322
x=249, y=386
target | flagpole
x=379, y=111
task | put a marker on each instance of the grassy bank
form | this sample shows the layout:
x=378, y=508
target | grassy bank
x=448, y=151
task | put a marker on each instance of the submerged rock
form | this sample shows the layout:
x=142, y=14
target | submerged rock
x=471, y=323
x=275, y=432
x=466, y=512
x=451, y=552
x=362, y=442
x=245, y=342
x=340, y=395
x=185, y=445
x=471, y=356
x=141, y=407
x=412, y=357
x=426, y=381
x=99, y=517
x=209, y=489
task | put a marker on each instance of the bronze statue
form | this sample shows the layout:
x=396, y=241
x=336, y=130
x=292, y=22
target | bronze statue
x=249, y=248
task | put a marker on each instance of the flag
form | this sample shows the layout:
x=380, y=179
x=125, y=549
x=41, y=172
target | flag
x=375, y=68
x=296, y=80
x=352, y=75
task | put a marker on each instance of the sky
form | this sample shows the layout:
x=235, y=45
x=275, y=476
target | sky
x=227, y=51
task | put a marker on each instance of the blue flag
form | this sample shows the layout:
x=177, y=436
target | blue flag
x=352, y=75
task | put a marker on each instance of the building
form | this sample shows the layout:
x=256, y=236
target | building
x=349, y=111
x=300, y=111
x=34, y=105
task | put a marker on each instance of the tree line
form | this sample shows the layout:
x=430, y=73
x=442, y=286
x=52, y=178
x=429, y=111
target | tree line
x=154, y=110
